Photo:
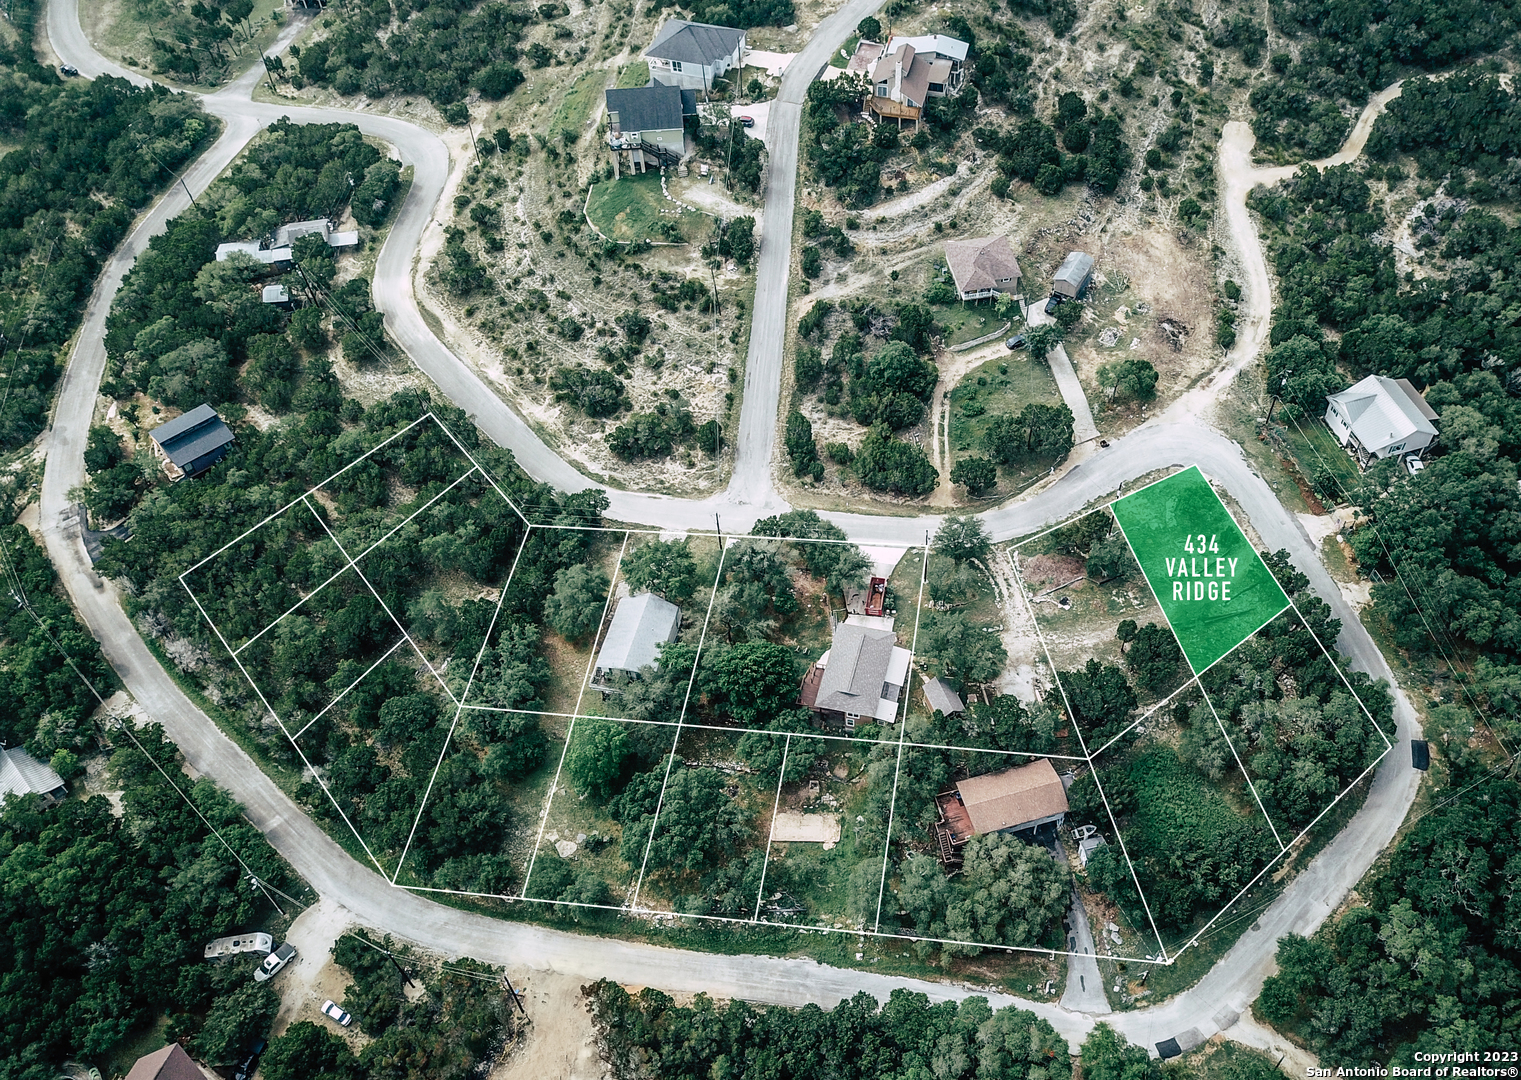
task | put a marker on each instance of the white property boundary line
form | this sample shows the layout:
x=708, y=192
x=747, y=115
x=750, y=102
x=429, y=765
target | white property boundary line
x=876, y=932
x=1078, y=729
x=612, y=588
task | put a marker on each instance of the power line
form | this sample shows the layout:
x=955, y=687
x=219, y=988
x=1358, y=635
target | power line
x=18, y=592
x=1458, y=676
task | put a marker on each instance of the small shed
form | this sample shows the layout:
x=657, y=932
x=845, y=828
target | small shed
x=641, y=624
x=1073, y=276
x=1088, y=845
x=942, y=697
x=22, y=774
x=192, y=443
x=276, y=294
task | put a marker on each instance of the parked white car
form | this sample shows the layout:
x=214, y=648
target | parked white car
x=331, y=1010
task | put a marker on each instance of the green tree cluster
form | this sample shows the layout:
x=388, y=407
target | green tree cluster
x=859, y=1039
x=82, y=159
x=108, y=915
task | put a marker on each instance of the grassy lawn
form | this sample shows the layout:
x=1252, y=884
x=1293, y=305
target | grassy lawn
x=963, y=322
x=634, y=208
x=1000, y=387
x=1314, y=448
x=577, y=104
x=843, y=54
x=632, y=76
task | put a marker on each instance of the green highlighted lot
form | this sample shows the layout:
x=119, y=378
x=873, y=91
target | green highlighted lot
x=1215, y=590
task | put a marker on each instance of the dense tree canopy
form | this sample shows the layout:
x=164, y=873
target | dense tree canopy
x=648, y=1035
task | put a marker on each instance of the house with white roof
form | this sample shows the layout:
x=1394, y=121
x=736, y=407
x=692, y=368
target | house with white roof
x=22, y=774
x=641, y=624
x=1380, y=417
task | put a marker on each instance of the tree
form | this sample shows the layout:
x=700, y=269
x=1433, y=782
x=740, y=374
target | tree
x=1098, y=697
x=1041, y=341
x=594, y=758
x=665, y=567
x=978, y=475
x=575, y=609
x=801, y=447
x=1110, y=559
x=952, y=647
x=738, y=240
x=235, y=1020
x=963, y=539
x=839, y=563
x=886, y=464
x=1154, y=658
x=751, y=682
x=869, y=28
x=698, y=824
x=1107, y=1056
x=1039, y=431
x=308, y=1052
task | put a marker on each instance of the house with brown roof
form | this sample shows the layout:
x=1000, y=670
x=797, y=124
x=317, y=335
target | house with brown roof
x=859, y=679
x=170, y=1063
x=1024, y=799
x=983, y=267
x=911, y=70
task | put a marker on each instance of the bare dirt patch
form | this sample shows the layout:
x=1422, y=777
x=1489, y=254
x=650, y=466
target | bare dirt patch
x=560, y=1040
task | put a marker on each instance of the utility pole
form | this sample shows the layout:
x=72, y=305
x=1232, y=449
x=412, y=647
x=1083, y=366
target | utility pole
x=143, y=147
x=516, y=1000
x=1274, y=403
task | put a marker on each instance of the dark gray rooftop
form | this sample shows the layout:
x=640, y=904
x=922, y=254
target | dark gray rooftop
x=646, y=108
x=694, y=43
x=192, y=435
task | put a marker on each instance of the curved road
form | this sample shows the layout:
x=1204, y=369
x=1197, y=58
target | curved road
x=1174, y=438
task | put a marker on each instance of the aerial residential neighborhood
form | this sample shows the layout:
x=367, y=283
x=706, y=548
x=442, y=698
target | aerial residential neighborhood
x=768, y=539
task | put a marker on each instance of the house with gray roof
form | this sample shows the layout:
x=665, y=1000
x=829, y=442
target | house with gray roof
x=983, y=267
x=693, y=55
x=860, y=678
x=1379, y=417
x=941, y=696
x=22, y=774
x=648, y=121
x=191, y=443
x=641, y=624
x=277, y=251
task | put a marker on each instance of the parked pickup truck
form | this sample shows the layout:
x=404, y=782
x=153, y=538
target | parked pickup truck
x=275, y=961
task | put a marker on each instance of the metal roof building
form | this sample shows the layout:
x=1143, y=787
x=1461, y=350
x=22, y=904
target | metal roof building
x=192, y=443
x=1380, y=417
x=1073, y=275
x=22, y=774
x=640, y=625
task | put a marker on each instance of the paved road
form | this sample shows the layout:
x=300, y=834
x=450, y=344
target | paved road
x=751, y=486
x=1211, y=1005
